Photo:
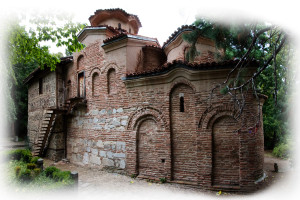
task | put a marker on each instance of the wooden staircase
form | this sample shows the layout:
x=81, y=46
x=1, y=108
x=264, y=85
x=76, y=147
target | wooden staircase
x=49, y=117
x=44, y=134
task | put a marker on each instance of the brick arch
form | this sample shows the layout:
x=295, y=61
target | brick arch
x=213, y=113
x=146, y=112
x=94, y=70
x=110, y=66
x=181, y=81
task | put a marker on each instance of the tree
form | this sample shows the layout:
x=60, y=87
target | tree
x=27, y=51
x=265, y=43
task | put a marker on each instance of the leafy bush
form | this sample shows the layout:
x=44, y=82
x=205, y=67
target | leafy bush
x=17, y=170
x=282, y=150
x=21, y=154
x=49, y=171
x=32, y=180
x=31, y=166
x=25, y=175
x=163, y=180
x=34, y=159
x=133, y=175
x=62, y=175
x=36, y=171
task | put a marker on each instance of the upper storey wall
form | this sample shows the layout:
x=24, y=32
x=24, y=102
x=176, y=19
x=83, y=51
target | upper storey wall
x=177, y=48
x=118, y=24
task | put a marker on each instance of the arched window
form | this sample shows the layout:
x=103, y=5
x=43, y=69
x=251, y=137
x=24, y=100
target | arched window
x=119, y=26
x=81, y=85
x=111, y=81
x=181, y=104
x=95, y=84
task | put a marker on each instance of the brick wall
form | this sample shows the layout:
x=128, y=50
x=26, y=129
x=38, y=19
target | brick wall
x=183, y=133
x=225, y=148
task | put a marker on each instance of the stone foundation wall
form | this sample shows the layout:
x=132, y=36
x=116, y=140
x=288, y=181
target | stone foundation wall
x=56, y=147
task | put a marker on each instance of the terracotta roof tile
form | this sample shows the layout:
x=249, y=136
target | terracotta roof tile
x=127, y=35
x=115, y=37
x=153, y=46
x=177, y=32
x=116, y=9
x=168, y=66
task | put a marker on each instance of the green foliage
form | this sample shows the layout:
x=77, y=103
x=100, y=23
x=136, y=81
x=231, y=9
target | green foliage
x=33, y=181
x=49, y=171
x=25, y=44
x=21, y=155
x=31, y=166
x=25, y=175
x=36, y=171
x=26, y=51
x=17, y=169
x=34, y=159
x=260, y=42
x=163, y=180
x=282, y=150
x=133, y=175
x=62, y=175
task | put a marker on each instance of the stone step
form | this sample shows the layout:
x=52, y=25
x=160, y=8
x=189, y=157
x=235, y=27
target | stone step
x=49, y=111
x=48, y=114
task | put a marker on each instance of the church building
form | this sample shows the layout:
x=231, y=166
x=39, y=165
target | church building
x=127, y=103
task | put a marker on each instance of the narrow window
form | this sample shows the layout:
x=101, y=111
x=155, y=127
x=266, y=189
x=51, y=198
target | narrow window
x=130, y=30
x=69, y=95
x=111, y=81
x=119, y=25
x=181, y=104
x=40, y=86
x=81, y=86
x=95, y=84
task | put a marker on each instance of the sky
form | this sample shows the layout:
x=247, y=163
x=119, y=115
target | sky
x=160, y=18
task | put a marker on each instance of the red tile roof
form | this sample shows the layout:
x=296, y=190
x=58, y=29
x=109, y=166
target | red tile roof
x=127, y=35
x=114, y=37
x=153, y=46
x=116, y=10
x=177, y=32
x=188, y=65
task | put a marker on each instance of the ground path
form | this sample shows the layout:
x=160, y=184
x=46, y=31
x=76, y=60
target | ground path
x=101, y=182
